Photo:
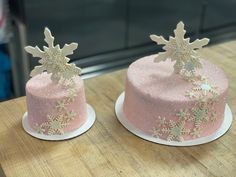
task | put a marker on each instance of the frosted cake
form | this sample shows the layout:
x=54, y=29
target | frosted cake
x=55, y=95
x=175, y=95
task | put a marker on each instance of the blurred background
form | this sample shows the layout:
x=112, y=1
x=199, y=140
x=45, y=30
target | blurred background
x=111, y=33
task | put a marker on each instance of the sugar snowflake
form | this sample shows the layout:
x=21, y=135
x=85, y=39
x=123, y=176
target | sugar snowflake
x=196, y=132
x=200, y=89
x=61, y=105
x=183, y=114
x=162, y=120
x=71, y=94
x=199, y=115
x=55, y=125
x=180, y=49
x=70, y=115
x=53, y=59
x=205, y=87
x=39, y=128
x=175, y=130
x=190, y=94
x=156, y=132
x=213, y=117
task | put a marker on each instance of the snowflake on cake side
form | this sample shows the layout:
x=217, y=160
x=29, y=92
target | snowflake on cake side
x=176, y=130
x=173, y=130
x=180, y=50
x=55, y=124
x=202, y=90
x=53, y=59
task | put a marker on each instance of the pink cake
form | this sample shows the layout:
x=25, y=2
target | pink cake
x=162, y=103
x=55, y=94
x=54, y=108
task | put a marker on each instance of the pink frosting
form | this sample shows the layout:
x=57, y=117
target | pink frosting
x=153, y=90
x=42, y=95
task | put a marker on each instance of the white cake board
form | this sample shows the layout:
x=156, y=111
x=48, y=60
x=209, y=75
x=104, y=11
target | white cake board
x=125, y=122
x=86, y=126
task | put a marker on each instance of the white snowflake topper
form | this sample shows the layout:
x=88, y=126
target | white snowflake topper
x=180, y=49
x=53, y=59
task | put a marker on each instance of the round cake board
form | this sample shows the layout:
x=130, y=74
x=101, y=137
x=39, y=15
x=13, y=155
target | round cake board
x=125, y=122
x=85, y=127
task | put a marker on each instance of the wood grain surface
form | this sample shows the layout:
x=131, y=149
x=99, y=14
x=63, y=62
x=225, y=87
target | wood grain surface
x=108, y=149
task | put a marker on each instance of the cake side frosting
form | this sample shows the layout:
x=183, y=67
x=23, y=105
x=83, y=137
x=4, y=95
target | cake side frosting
x=155, y=96
x=54, y=108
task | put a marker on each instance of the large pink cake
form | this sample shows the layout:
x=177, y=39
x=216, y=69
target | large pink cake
x=53, y=108
x=162, y=103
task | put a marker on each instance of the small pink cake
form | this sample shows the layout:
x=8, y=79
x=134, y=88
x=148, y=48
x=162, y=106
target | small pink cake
x=55, y=94
x=53, y=108
x=161, y=103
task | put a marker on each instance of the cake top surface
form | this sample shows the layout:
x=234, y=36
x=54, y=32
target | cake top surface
x=42, y=86
x=158, y=80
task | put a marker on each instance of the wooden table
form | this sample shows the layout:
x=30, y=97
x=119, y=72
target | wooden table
x=108, y=149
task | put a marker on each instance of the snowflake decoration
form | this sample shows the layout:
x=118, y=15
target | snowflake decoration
x=162, y=120
x=204, y=88
x=70, y=115
x=173, y=130
x=71, y=94
x=201, y=88
x=213, y=117
x=199, y=115
x=39, y=128
x=61, y=105
x=180, y=49
x=196, y=132
x=183, y=114
x=156, y=132
x=189, y=67
x=190, y=94
x=53, y=59
x=55, y=125
x=176, y=130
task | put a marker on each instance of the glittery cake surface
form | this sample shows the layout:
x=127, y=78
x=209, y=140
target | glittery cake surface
x=155, y=94
x=54, y=108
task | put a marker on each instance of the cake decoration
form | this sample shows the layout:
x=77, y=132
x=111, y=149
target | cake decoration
x=55, y=123
x=173, y=130
x=205, y=87
x=175, y=107
x=61, y=105
x=53, y=59
x=196, y=132
x=183, y=114
x=202, y=112
x=71, y=94
x=187, y=60
x=180, y=50
x=199, y=115
x=64, y=78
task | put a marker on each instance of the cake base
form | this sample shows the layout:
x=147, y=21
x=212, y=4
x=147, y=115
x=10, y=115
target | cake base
x=85, y=127
x=125, y=122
